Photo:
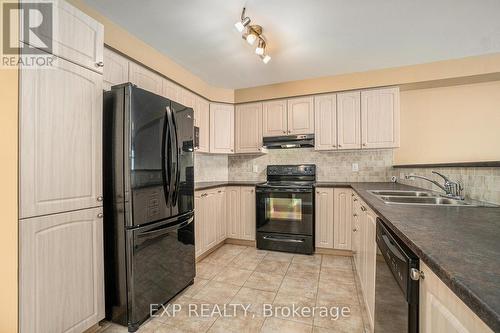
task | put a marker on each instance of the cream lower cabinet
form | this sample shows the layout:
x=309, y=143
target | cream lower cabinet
x=365, y=253
x=247, y=213
x=61, y=272
x=248, y=128
x=342, y=217
x=60, y=131
x=324, y=218
x=333, y=218
x=221, y=213
x=233, y=197
x=442, y=311
x=221, y=128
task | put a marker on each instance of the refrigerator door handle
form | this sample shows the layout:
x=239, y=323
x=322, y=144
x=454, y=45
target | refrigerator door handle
x=169, y=228
x=177, y=162
x=171, y=159
x=166, y=159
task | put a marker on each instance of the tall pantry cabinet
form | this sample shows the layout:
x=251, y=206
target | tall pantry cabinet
x=61, y=284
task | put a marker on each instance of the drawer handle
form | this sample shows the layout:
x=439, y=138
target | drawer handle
x=286, y=240
x=100, y=215
x=363, y=208
x=99, y=64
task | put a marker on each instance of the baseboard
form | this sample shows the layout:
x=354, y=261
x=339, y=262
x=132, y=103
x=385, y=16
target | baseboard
x=208, y=252
x=335, y=252
x=242, y=242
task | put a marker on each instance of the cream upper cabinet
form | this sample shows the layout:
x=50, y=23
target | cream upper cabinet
x=61, y=272
x=221, y=128
x=440, y=310
x=300, y=115
x=325, y=115
x=324, y=218
x=247, y=212
x=248, y=131
x=60, y=139
x=76, y=36
x=221, y=213
x=380, y=118
x=115, y=69
x=171, y=90
x=145, y=79
x=342, y=229
x=233, y=221
x=188, y=98
x=274, y=118
x=349, y=120
x=202, y=120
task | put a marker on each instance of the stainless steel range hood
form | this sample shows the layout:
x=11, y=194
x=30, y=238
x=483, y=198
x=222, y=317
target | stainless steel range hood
x=289, y=141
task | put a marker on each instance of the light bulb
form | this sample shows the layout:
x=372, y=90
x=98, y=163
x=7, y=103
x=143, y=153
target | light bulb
x=239, y=26
x=266, y=59
x=251, y=38
x=260, y=48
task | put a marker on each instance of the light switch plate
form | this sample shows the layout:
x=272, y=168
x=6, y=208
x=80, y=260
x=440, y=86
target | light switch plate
x=355, y=167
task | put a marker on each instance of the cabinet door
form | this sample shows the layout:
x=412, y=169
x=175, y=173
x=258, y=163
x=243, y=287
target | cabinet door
x=324, y=218
x=221, y=128
x=342, y=208
x=145, y=79
x=325, y=119
x=199, y=222
x=370, y=263
x=203, y=123
x=60, y=139
x=348, y=120
x=301, y=115
x=233, y=221
x=248, y=131
x=171, y=90
x=380, y=118
x=440, y=310
x=247, y=213
x=188, y=98
x=211, y=212
x=61, y=281
x=115, y=69
x=76, y=36
x=221, y=214
x=274, y=118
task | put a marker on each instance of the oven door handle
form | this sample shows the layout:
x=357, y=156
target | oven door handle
x=283, y=239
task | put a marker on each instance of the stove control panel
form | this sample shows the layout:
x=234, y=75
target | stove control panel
x=291, y=170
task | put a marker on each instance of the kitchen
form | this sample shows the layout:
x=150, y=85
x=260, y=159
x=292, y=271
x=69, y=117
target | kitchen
x=297, y=185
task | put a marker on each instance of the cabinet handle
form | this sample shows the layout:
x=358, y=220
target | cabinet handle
x=364, y=144
x=355, y=215
x=99, y=198
x=355, y=200
x=334, y=146
x=284, y=132
x=340, y=146
x=355, y=230
x=363, y=208
x=99, y=64
x=220, y=191
x=100, y=215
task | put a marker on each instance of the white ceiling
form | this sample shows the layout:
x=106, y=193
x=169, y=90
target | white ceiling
x=308, y=38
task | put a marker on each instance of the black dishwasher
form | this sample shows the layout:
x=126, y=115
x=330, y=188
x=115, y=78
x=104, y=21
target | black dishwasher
x=396, y=284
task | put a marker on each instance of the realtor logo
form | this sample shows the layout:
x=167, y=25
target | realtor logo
x=27, y=33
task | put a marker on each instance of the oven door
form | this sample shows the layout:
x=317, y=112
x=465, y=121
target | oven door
x=285, y=211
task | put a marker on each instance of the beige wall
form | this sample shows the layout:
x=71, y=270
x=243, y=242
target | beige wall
x=467, y=69
x=8, y=199
x=123, y=41
x=450, y=124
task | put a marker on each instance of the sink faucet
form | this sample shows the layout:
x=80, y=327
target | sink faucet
x=451, y=188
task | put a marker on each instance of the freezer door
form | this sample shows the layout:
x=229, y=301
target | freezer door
x=161, y=264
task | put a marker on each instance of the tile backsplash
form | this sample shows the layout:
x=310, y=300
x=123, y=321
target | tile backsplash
x=210, y=167
x=373, y=165
x=479, y=183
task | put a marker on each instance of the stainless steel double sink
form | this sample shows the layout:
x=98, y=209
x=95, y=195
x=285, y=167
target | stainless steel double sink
x=402, y=197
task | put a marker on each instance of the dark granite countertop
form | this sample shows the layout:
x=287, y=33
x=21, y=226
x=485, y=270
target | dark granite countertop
x=208, y=185
x=460, y=244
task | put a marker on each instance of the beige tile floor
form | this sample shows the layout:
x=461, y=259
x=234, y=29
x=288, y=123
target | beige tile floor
x=243, y=275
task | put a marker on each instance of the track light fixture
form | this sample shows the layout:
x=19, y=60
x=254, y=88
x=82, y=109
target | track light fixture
x=252, y=34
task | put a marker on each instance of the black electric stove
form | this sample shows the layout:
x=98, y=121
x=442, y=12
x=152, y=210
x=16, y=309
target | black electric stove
x=285, y=209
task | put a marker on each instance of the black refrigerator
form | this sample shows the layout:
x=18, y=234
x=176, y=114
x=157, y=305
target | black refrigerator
x=148, y=202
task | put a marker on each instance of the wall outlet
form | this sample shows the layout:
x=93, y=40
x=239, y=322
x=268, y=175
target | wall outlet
x=355, y=167
x=255, y=168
